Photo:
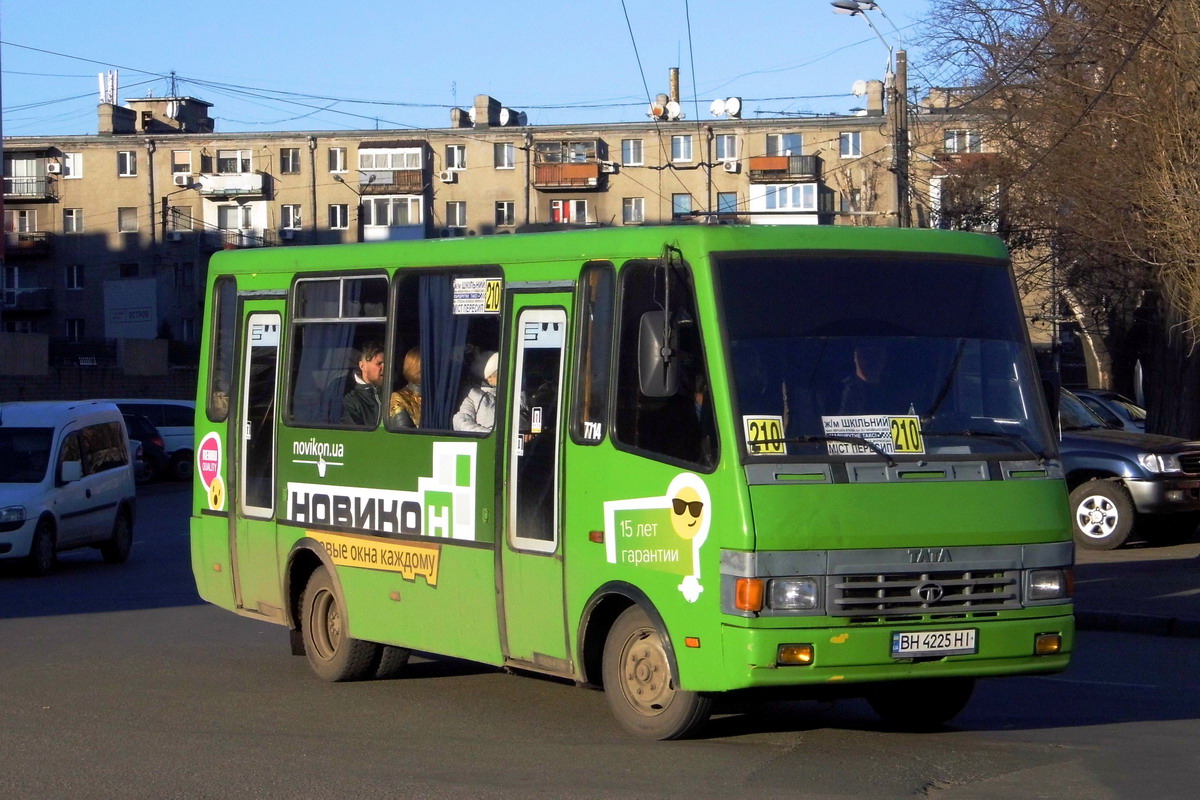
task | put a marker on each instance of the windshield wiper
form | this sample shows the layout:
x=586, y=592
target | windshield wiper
x=839, y=438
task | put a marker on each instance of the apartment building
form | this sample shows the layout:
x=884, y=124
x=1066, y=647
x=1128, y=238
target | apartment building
x=108, y=236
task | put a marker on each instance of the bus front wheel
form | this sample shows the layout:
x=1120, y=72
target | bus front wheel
x=331, y=652
x=642, y=691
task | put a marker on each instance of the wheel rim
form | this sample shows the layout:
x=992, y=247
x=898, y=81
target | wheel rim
x=1097, y=516
x=645, y=673
x=325, y=623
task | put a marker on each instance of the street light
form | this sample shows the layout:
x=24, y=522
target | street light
x=898, y=99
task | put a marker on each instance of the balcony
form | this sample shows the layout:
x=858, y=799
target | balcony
x=391, y=181
x=575, y=175
x=31, y=299
x=240, y=184
x=784, y=169
x=27, y=244
x=30, y=189
x=234, y=239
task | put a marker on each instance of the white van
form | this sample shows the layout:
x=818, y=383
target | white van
x=175, y=420
x=66, y=481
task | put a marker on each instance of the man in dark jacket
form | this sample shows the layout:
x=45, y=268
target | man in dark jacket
x=360, y=405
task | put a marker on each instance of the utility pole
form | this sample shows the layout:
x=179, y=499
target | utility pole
x=900, y=139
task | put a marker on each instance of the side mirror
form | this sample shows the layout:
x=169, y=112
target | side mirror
x=658, y=369
x=70, y=471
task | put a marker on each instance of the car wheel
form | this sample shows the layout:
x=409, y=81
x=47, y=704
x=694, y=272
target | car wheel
x=181, y=466
x=921, y=705
x=642, y=692
x=1103, y=514
x=331, y=652
x=43, y=549
x=116, y=549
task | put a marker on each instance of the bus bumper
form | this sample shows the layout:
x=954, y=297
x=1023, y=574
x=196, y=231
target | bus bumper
x=843, y=655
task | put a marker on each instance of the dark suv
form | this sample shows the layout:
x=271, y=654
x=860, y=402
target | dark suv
x=1118, y=479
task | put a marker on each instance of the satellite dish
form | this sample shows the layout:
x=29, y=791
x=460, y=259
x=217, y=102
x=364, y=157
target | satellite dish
x=859, y=88
x=657, y=111
x=471, y=114
x=522, y=119
x=673, y=110
x=733, y=106
x=717, y=107
x=505, y=115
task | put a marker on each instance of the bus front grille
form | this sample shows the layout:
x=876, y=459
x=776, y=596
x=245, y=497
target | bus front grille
x=891, y=595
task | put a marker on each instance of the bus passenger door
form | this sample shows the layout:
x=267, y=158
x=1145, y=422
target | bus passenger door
x=256, y=567
x=534, y=628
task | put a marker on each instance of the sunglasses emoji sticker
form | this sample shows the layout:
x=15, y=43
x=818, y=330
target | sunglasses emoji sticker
x=687, y=513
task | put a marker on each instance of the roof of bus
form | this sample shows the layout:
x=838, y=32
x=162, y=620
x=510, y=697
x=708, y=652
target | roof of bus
x=603, y=243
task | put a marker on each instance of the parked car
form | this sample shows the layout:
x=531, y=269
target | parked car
x=1122, y=481
x=175, y=420
x=150, y=457
x=66, y=481
x=1115, y=409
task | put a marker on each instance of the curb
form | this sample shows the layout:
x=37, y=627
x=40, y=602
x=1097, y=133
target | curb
x=1121, y=622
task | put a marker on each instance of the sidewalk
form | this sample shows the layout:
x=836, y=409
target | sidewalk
x=1140, y=588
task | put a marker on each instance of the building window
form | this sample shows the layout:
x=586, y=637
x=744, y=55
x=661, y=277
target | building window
x=289, y=216
x=339, y=217
x=568, y=211
x=681, y=203
x=633, y=210
x=456, y=156
x=75, y=330
x=183, y=276
x=505, y=155
x=233, y=162
x=179, y=218
x=181, y=162
x=129, y=270
x=289, y=160
x=75, y=276
x=391, y=212
x=631, y=152
x=72, y=165
x=337, y=159
x=506, y=213
x=187, y=329
x=963, y=142
x=727, y=202
x=681, y=148
x=127, y=221
x=126, y=163
x=791, y=197
x=20, y=220
x=456, y=217
x=784, y=144
x=385, y=160
x=72, y=220
x=850, y=144
x=851, y=200
x=726, y=147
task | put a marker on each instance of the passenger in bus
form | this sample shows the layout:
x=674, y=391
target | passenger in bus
x=478, y=410
x=864, y=390
x=404, y=406
x=360, y=405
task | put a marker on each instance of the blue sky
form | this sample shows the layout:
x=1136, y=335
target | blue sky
x=350, y=65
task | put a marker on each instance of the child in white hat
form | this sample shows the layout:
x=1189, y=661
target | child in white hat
x=478, y=409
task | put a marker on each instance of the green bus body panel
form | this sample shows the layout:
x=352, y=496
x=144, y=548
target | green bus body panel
x=875, y=515
x=460, y=615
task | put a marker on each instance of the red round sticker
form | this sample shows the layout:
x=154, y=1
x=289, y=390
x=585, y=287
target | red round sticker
x=208, y=459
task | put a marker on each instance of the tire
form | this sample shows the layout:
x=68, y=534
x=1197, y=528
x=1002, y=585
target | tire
x=331, y=652
x=42, y=550
x=143, y=472
x=1102, y=514
x=642, y=692
x=921, y=705
x=181, y=467
x=392, y=661
x=116, y=549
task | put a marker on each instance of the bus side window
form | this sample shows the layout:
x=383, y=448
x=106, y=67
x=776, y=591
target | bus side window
x=589, y=420
x=221, y=356
x=679, y=427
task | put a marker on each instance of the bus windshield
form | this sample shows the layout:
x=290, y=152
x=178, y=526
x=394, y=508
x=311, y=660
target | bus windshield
x=892, y=356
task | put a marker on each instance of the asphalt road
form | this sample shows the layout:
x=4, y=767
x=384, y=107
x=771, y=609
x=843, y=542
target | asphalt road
x=116, y=681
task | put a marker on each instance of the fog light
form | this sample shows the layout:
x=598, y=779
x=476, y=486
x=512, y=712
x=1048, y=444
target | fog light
x=1176, y=495
x=1047, y=644
x=795, y=655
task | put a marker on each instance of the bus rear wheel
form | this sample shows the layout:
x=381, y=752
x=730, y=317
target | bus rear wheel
x=642, y=692
x=921, y=705
x=331, y=652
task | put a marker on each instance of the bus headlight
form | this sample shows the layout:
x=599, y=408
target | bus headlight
x=792, y=594
x=1049, y=584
